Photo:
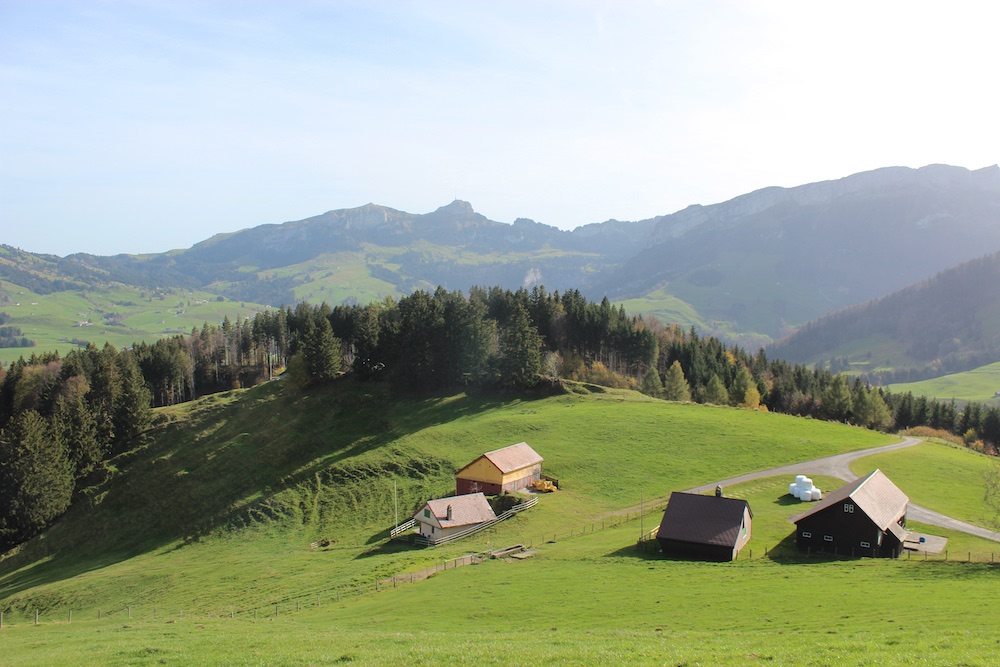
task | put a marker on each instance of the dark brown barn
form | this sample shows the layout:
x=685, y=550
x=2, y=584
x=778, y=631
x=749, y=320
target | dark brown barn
x=864, y=518
x=704, y=527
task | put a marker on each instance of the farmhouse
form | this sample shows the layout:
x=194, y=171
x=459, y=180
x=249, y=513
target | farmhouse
x=445, y=516
x=507, y=469
x=704, y=527
x=864, y=518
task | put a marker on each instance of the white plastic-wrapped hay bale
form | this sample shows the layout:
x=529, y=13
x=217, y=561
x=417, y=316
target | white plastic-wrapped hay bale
x=803, y=489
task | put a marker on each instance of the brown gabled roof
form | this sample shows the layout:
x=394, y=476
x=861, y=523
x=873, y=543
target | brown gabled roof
x=466, y=510
x=509, y=459
x=874, y=495
x=690, y=517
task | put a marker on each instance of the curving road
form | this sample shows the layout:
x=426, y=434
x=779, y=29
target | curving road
x=839, y=466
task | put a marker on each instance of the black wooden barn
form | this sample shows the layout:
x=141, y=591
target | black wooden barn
x=704, y=527
x=864, y=518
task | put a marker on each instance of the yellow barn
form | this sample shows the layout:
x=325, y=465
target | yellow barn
x=507, y=469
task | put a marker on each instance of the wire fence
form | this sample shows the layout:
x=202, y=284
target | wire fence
x=645, y=546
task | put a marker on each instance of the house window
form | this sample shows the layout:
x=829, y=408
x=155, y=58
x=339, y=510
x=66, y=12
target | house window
x=427, y=513
x=866, y=545
x=828, y=538
x=806, y=533
x=849, y=508
x=432, y=530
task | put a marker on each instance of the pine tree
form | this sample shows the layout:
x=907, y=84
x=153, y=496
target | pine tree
x=715, y=391
x=651, y=383
x=321, y=352
x=676, y=386
x=36, y=478
x=837, y=402
x=75, y=426
x=132, y=411
x=519, y=357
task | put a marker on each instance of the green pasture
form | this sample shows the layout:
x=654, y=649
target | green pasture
x=587, y=598
x=942, y=477
x=243, y=483
x=978, y=385
x=665, y=307
x=55, y=320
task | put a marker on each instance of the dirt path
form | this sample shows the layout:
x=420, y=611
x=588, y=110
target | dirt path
x=839, y=466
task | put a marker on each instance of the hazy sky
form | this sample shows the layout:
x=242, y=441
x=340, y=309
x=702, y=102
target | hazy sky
x=145, y=126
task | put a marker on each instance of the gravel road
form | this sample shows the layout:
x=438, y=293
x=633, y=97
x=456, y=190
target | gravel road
x=839, y=466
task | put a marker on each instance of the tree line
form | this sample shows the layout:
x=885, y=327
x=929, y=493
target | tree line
x=61, y=418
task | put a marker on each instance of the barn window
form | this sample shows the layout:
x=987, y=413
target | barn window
x=806, y=533
x=828, y=538
x=866, y=545
x=849, y=508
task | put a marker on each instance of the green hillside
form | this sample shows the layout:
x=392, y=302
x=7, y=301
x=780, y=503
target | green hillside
x=213, y=515
x=979, y=385
x=118, y=314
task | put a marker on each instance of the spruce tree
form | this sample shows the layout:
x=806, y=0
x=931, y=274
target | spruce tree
x=651, y=383
x=676, y=386
x=715, y=391
x=36, y=478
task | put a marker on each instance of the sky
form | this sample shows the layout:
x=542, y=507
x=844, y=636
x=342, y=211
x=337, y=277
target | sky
x=144, y=126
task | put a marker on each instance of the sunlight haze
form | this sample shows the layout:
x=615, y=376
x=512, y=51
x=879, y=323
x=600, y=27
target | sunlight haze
x=144, y=126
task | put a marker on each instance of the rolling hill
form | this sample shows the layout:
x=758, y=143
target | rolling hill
x=748, y=270
x=940, y=326
x=251, y=527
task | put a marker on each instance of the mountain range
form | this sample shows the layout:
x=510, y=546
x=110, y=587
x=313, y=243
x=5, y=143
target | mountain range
x=751, y=269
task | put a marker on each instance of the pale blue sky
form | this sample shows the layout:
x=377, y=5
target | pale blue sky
x=143, y=126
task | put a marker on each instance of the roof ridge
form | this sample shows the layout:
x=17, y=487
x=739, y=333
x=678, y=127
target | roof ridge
x=863, y=482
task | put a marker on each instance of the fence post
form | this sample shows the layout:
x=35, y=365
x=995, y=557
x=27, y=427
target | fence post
x=98, y=614
x=1, y=620
x=70, y=615
x=275, y=611
x=255, y=614
x=154, y=612
x=130, y=613
x=36, y=617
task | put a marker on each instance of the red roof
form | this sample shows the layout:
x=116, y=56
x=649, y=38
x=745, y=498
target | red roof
x=466, y=510
x=509, y=459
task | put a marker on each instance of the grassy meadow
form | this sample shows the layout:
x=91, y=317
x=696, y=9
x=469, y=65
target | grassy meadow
x=214, y=514
x=116, y=314
x=978, y=385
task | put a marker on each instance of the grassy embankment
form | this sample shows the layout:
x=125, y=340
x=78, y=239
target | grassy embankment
x=300, y=461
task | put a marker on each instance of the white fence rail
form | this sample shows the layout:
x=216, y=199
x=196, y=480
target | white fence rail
x=427, y=542
x=402, y=528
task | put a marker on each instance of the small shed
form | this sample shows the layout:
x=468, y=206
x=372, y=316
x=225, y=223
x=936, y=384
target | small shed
x=704, y=527
x=507, y=469
x=445, y=516
x=864, y=518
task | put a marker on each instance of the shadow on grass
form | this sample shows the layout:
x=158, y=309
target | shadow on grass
x=225, y=459
x=389, y=547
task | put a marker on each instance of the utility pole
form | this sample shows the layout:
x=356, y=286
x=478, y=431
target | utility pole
x=642, y=502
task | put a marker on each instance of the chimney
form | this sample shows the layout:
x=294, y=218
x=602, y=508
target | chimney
x=448, y=511
x=718, y=491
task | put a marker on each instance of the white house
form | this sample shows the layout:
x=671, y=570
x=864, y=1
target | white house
x=445, y=516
